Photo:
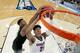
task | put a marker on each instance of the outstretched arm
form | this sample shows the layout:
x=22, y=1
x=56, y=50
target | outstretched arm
x=26, y=30
x=23, y=31
x=29, y=29
x=44, y=35
x=33, y=18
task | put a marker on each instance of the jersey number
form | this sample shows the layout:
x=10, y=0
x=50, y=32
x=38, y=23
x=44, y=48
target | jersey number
x=41, y=49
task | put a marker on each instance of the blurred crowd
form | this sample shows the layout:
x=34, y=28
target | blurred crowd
x=76, y=2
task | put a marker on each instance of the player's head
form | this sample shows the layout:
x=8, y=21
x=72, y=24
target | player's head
x=37, y=30
x=21, y=22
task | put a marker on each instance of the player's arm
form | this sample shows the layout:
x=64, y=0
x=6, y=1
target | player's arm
x=44, y=35
x=33, y=18
x=26, y=30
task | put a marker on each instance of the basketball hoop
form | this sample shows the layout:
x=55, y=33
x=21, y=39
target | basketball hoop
x=59, y=32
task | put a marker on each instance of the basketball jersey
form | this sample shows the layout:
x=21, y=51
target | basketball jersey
x=18, y=41
x=37, y=46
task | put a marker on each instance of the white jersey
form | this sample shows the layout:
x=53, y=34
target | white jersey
x=37, y=46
